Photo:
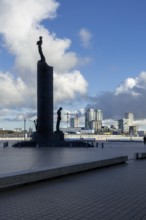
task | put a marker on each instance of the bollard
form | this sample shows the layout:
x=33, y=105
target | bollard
x=97, y=144
x=6, y=144
x=102, y=145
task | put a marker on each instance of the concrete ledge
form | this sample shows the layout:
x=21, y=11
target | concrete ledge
x=141, y=155
x=20, y=178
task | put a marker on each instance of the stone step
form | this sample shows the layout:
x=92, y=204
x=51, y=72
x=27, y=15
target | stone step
x=25, y=177
x=141, y=155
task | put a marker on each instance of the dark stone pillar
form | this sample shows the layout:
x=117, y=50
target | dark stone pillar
x=44, y=126
x=44, y=99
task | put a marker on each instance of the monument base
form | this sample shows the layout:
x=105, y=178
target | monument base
x=53, y=140
x=59, y=135
x=48, y=140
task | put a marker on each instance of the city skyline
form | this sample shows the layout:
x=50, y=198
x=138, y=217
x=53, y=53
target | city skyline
x=97, y=50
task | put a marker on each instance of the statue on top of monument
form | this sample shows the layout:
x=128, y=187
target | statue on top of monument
x=39, y=43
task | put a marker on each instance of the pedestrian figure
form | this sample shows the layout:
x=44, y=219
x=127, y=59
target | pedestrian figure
x=144, y=140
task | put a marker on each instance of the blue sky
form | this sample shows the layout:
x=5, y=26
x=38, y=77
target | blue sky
x=97, y=49
x=117, y=46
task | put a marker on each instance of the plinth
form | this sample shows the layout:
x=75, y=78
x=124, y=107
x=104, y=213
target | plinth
x=44, y=98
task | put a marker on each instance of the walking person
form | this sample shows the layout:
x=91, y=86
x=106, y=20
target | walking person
x=144, y=140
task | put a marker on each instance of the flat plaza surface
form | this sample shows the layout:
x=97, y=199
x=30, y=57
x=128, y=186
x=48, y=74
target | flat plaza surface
x=115, y=192
x=27, y=159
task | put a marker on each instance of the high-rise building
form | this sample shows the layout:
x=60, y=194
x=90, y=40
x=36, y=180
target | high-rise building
x=74, y=122
x=93, y=119
x=130, y=118
x=126, y=125
x=89, y=116
x=98, y=115
x=123, y=125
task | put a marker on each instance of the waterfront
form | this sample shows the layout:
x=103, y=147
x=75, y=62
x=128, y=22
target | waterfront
x=83, y=136
x=103, y=137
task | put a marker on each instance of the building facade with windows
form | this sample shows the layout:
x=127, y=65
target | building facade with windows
x=93, y=119
x=126, y=124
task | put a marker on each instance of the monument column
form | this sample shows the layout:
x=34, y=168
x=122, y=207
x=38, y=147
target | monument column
x=44, y=98
x=44, y=135
x=44, y=122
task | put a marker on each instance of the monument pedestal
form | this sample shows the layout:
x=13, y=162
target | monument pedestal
x=44, y=135
x=44, y=126
x=46, y=140
x=44, y=98
x=56, y=140
x=59, y=135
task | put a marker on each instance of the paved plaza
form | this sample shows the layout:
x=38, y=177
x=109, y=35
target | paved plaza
x=23, y=159
x=115, y=192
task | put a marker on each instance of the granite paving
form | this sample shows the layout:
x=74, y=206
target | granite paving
x=117, y=192
x=111, y=193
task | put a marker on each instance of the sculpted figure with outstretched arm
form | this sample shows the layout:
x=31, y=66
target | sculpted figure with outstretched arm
x=39, y=43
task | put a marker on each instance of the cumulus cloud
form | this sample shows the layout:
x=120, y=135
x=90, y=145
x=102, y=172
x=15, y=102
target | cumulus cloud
x=132, y=86
x=14, y=92
x=128, y=97
x=140, y=122
x=127, y=87
x=20, y=27
x=74, y=84
x=85, y=37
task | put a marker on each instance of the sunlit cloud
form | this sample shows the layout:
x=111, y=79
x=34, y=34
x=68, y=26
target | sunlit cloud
x=129, y=96
x=20, y=27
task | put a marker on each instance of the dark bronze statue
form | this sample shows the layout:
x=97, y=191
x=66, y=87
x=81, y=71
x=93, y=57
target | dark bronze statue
x=58, y=119
x=39, y=43
x=36, y=124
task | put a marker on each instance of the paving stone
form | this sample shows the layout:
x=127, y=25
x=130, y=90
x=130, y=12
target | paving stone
x=113, y=193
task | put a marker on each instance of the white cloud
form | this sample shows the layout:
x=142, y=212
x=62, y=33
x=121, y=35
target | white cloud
x=13, y=92
x=140, y=122
x=127, y=87
x=73, y=84
x=141, y=80
x=85, y=37
x=20, y=26
x=131, y=85
x=128, y=97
